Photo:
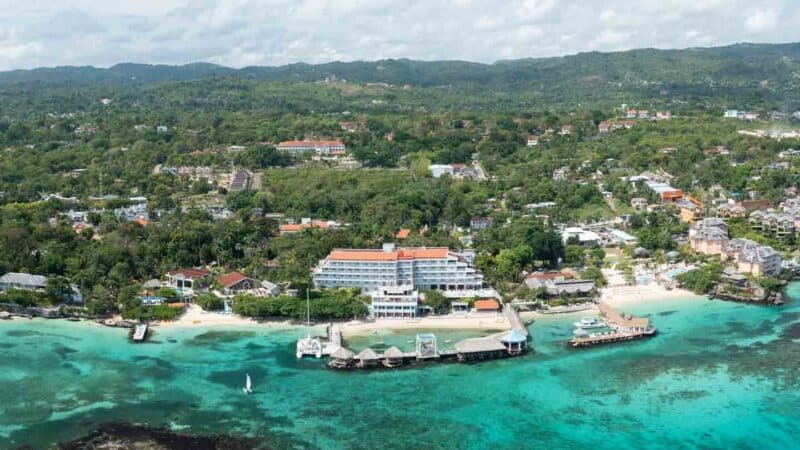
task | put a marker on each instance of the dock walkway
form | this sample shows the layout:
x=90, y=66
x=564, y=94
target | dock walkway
x=515, y=320
x=140, y=332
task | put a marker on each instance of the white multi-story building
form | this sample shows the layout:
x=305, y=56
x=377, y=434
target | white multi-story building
x=394, y=302
x=422, y=268
x=319, y=147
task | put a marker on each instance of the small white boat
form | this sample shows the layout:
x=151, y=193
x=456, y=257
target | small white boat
x=248, y=384
x=588, y=324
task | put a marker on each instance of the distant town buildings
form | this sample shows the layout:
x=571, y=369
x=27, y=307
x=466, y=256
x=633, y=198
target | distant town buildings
x=741, y=115
x=333, y=147
x=306, y=223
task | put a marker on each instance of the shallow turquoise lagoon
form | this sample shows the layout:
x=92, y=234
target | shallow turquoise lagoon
x=718, y=375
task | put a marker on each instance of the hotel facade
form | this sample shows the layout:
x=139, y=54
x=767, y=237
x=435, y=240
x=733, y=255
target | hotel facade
x=410, y=269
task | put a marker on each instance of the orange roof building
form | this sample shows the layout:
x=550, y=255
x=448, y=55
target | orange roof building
x=486, y=305
x=423, y=268
x=403, y=233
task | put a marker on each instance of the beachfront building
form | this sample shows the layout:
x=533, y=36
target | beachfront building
x=187, y=280
x=709, y=236
x=421, y=267
x=235, y=282
x=394, y=302
x=752, y=258
x=22, y=281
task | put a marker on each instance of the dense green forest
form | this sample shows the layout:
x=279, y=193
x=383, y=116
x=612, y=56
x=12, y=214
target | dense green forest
x=85, y=133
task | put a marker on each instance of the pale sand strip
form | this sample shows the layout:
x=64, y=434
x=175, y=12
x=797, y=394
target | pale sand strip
x=194, y=316
x=621, y=295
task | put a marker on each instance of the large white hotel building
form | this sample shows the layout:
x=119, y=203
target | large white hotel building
x=413, y=269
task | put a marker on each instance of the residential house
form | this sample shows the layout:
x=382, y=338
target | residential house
x=187, y=279
x=639, y=203
x=532, y=140
x=479, y=223
x=235, y=282
x=22, y=281
x=437, y=170
x=306, y=223
x=584, y=237
x=663, y=115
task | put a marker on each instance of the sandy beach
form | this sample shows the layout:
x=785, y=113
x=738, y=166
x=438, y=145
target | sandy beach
x=195, y=316
x=620, y=295
x=461, y=322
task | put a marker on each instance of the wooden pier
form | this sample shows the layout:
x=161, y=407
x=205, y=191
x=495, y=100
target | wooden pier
x=501, y=345
x=624, y=328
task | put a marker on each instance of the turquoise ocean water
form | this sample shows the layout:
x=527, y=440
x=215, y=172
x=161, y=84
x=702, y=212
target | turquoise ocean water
x=719, y=375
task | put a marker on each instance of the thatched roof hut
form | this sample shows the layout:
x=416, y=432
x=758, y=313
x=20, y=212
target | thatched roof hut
x=343, y=354
x=392, y=357
x=367, y=357
x=341, y=358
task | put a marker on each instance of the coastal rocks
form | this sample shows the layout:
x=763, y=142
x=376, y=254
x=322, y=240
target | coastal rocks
x=126, y=435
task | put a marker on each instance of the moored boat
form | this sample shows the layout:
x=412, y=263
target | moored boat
x=589, y=323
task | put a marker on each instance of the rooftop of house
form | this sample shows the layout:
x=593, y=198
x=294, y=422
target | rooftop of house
x=486, y=305
x=188, y=272
x=24, y=279
x=229, y=279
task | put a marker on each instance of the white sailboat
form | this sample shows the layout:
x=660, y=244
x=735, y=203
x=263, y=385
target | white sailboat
x=248, y=384
x=308, y=345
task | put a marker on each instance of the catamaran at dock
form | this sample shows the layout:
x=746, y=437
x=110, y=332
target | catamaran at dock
x=622, y=328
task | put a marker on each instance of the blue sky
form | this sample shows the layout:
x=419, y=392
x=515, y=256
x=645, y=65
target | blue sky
x=274, y=32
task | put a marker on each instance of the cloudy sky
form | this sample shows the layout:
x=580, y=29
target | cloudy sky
x=239, y=33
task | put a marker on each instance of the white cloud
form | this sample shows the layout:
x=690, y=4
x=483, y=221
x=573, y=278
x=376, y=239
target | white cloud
x=761, y=20
x=273, y=32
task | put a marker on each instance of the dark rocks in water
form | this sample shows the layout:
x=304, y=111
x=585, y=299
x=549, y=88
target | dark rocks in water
x=791, y=332
x=126, y=435
x=64, y=351
x=667, y=313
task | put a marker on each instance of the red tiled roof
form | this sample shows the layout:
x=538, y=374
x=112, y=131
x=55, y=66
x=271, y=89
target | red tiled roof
x=229, y=279
x=484, y=305
x=394, y=255
x=190, y=273
x=403, y=233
